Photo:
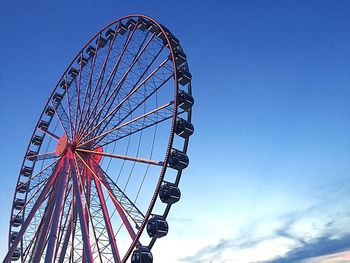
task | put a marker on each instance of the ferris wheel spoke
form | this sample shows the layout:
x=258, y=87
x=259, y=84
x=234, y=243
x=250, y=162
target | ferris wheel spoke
x=109, y=227
x=136, y=103
x=147, y=67
x=52, y=135
x=135, y=125
x=66, y=240
x=120, y=200
x=123, y=78
x=64, y=218
x=81, y=214
x=77, y=99
x=31, y=243
x=39, y=232
x=88, y=85
x=42, y=230
x=39, y=173
x=121, y=213
x=62, y=117
x=32, y=212
x=102, y=73
x=122, y=157
x=112, y=113
x=88, y=99
x=69, y=115
x=42, y=156
x=126, y=43
x=60, y=188
x=147, y=124
x=108, y=53
x=96, y=238
x=158, y=115
x=88, y=218
x=41, y=177
x=87, y=192
x=74, y=226
x=85, y=183
x=39, y=186
x=117, y=87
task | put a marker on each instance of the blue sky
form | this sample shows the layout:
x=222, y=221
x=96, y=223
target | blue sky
x=269, y=173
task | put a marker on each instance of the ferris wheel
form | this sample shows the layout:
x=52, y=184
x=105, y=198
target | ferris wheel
x=103, y=165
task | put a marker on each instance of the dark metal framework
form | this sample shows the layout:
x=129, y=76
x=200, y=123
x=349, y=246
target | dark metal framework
x=112, y=136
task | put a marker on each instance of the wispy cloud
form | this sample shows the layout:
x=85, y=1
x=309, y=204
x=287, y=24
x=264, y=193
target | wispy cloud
x=298, y=236
x=321, y=246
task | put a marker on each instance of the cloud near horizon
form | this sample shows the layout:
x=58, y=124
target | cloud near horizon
x=317, y=234
x=342, y=257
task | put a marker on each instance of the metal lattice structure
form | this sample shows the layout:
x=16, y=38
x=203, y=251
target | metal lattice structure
x=103, y=165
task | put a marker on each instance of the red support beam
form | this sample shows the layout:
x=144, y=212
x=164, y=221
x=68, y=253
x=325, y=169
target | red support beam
x=56, y=214
x=82, y=218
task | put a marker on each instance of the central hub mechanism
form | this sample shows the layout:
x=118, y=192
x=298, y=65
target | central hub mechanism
x=62, y=145
x=96, y=157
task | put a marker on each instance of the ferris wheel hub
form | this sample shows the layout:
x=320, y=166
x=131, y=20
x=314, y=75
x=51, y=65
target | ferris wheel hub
x=97, y=158
x=62, y=145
